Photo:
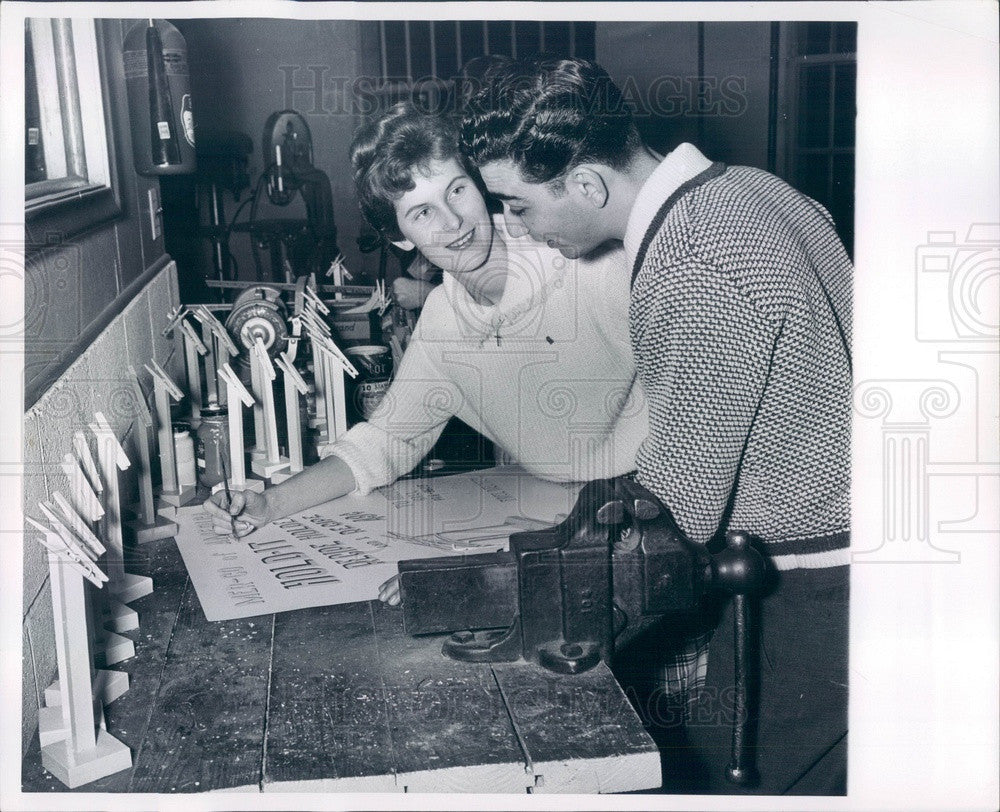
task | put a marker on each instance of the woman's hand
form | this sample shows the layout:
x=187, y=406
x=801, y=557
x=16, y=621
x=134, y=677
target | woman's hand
x=388, y=593
x=248, y=511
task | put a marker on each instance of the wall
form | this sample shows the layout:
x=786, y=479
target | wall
x=243, y=70
x=719, y=101
x=67, y=286
x=72, y=280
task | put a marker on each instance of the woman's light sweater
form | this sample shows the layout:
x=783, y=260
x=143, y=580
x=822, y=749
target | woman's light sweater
x=546, y=374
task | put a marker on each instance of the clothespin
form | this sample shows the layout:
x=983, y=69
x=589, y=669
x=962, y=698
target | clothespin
x=142, y=408
x=157, y=372
x=82, y=448
x=102, y=429
x=313, y=322
x=230, y=378
x=206, y=317
x=79, y=526
x=284, y=363
x=194, y=338
x=313, y=299
x=260, y=353
x=328, y=346
x=174, y=317
x=69, y=551
x=337, y=267
x=383, y=300
x=82, y=490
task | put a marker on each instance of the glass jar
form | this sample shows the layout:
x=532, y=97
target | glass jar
x=213, y=446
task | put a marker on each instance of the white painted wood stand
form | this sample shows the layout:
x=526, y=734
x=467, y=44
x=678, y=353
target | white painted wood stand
x=329, y=366
x=124, y=586
x=76, y=748
x=271, y=461
x=148, y=524
x=221, y=349
x=172, y=492
x=295, y=386
x=238, y=397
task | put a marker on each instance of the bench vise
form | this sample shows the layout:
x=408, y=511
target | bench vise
x=566, y=596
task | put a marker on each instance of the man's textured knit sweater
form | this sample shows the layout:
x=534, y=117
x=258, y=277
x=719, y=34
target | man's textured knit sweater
x=740, y=323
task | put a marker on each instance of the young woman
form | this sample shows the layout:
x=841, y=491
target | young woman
x=527, y=347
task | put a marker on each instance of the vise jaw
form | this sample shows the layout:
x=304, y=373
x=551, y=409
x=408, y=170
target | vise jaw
x=562, y=597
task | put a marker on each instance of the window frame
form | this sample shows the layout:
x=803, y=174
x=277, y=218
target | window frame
x=69, y=206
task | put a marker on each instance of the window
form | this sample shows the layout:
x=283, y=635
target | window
x=822, y=79
x=422, y=58
x=68, y=176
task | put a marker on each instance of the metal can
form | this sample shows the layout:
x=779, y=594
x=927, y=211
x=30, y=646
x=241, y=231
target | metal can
x=213, y=446
x=374, y=365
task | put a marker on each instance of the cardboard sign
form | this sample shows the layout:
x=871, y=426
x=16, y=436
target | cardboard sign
x=342, y=551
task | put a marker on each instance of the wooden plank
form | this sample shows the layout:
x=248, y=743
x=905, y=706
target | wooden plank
x=579, y=731
x=327, y=729
x=450, y=729
x=206, y=730
x=128, y=716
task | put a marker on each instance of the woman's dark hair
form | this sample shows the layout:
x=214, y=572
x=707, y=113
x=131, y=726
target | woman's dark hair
x=548, y=115
x=385, y=151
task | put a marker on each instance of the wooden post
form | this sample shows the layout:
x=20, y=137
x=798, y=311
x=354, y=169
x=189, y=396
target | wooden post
x=271, y=462
x=79, y=752
x=256, y=385
x=148, y=524
x=211, y=362
x=238, y=397
x=163, y=390
x=295, y=386
x=112, y=459
x=193, y=347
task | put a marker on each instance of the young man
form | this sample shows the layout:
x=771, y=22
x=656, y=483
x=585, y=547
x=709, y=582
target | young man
x=740, y=321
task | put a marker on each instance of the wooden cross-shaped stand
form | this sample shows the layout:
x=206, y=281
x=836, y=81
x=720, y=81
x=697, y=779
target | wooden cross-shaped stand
x=148, y=524
x=76, y=750
x=220, y=349
x=238, y=397
x=111, y=647
x=267, y=438
x=87, y=504
x=112, y=459
x=173, y=493
x=329, y=366
x=295, y=386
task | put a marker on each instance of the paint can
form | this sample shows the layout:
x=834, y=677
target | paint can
x=365, y=392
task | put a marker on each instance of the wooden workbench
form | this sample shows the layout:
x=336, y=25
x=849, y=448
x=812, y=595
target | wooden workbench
x=340, y=699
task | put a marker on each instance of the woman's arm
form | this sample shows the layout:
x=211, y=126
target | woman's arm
x=327, y=479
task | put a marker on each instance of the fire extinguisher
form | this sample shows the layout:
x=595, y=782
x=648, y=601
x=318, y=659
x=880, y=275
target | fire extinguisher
x=159, y=99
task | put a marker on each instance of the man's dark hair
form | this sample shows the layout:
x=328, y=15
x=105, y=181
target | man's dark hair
x=385, y=151
x=548, y=115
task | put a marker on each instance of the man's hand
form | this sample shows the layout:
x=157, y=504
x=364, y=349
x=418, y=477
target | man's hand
x=388, y=593
x=248, y=511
